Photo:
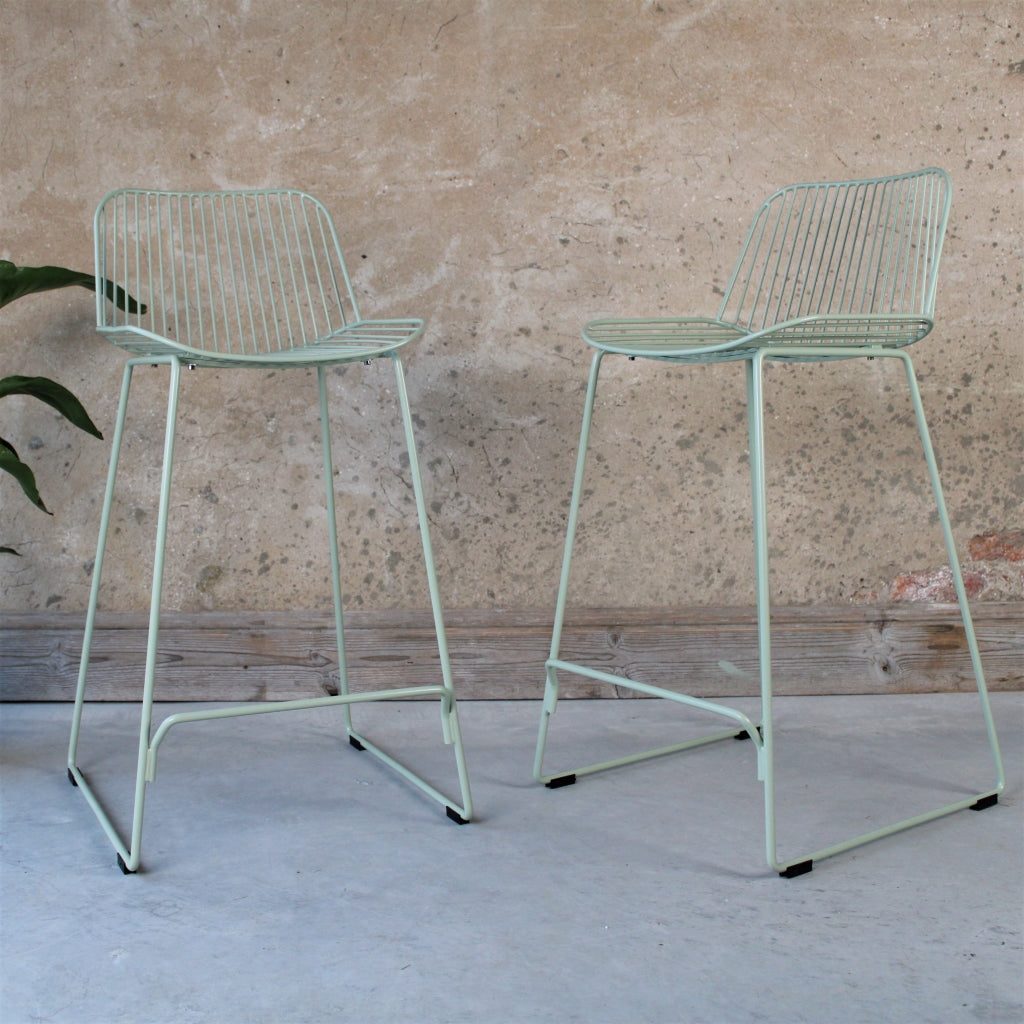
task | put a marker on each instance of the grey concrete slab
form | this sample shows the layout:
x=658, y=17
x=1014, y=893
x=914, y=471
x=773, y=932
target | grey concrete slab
x=289, y=878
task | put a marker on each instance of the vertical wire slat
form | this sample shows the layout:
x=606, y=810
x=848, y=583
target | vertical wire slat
x=273, y=265
x=243, y=305
x=922, y=259
x=749, y=294
x=205, y=310
x=263, y=264
x=110, y=251
x=773, y=270
x=917, y=227
x=300, y=260
x=232, y=314
x=186, y=287
x=134, y=274
x=166, y=251
x=870, y=242
x=892, y=277
x=789, y=290
x=290, y=300
x=151, y=231
x=120, y=246
x=780, y=210
x=108, y=224
x=885, y=245
x=820, y=261
x=901, y=250
x=851, y=268
x=250, y=208
x=219, y=281
x=100, y=258
x=330, y=249
x=314, y=275
x=814, y=243
x=838, y=230
x=938, y=193
x=301, y=292
x=282, y=321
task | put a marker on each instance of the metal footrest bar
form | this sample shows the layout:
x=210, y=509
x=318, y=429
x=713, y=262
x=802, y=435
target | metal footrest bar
x=269, y=707
x=801, y=865
x=455, y=811
x=561, y=778
x=462, y=813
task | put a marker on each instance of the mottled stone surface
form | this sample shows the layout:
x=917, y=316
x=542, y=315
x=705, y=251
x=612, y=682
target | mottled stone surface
x=508, y=171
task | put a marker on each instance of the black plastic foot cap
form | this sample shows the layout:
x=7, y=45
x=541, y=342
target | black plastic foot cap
x=72, y=779
x=455, y=816
x=561, y=780
x=124, y=867
x=795, y=870
x=355, y=743
x=985, y=801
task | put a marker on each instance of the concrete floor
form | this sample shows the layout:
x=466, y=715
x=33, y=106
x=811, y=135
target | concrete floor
x=290, y=878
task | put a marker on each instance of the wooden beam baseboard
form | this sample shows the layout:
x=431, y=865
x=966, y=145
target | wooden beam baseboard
x=240, y=656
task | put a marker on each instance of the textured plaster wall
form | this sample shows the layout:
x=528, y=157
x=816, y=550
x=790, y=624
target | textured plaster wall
x=508, y=171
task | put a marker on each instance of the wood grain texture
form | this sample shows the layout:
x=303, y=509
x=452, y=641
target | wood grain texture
x=226, y=656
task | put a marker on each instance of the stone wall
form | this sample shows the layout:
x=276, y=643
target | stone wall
x=509, y=171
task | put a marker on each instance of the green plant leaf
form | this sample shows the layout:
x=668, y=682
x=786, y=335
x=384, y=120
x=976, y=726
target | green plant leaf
x=53, y=394
x=10, y=463
x=18, y=281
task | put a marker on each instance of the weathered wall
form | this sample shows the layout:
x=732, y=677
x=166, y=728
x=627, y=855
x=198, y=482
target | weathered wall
x=507, y=171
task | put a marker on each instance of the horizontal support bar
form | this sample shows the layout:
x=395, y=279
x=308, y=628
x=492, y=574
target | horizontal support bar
x=270, y=707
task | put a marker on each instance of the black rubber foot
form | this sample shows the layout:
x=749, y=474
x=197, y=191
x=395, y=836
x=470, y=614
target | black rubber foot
x=455, y=816
x=72, y=779
x=745, y=735
x=795, y=870
x=355, y=743
x=985, y=801
x=561, y=780
x=124, y=867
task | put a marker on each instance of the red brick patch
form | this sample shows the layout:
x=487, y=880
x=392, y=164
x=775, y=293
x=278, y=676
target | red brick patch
x=1007, y=545
x=936, y=586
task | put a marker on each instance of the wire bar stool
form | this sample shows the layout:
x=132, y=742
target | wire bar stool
x=829, y=271
x=253, y=280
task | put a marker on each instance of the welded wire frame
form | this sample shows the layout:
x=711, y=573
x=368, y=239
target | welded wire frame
x=233, y=277
x=244, y=279
x=833, y=271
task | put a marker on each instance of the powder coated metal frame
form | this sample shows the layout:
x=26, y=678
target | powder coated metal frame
x=248, y=279
x=828, y=271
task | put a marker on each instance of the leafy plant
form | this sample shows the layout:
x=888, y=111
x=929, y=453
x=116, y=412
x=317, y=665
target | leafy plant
x=16, y=282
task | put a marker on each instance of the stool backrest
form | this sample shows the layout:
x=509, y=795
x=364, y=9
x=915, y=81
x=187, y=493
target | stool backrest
x=863, y=253
x=251, y=272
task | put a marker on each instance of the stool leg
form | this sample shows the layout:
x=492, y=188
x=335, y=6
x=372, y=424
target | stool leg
x=129, y=855
x=551, y=682
x=449, y=710
x=97, y=567
x=954, y=565
x=332, y=529
x=759, y=502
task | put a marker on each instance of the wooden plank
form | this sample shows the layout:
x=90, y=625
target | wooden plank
x=227, y=656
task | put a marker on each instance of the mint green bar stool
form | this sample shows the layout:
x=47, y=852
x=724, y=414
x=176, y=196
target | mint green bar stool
x=828, y=271
x=251, y=280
